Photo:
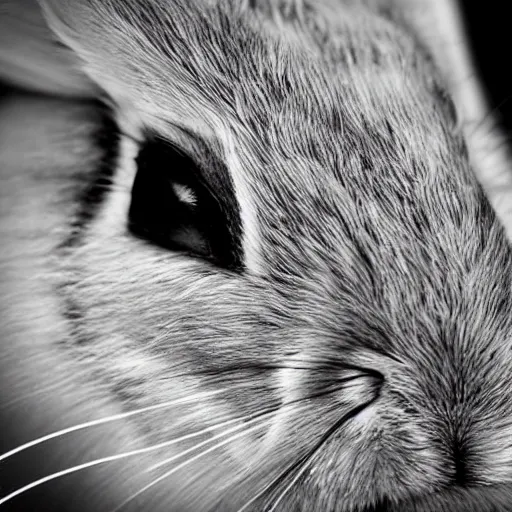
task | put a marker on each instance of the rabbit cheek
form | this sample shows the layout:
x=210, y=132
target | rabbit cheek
x=379, y=454
x=312, y=402
x=372, y=449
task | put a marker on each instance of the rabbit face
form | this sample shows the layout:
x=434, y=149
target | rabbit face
x=297, y=242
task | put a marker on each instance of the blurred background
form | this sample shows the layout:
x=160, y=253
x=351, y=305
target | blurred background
x=489, y=30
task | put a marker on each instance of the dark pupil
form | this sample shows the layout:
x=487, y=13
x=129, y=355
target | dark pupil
x=162, y=215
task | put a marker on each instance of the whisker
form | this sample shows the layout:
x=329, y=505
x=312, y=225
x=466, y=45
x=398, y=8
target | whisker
x=124, y=455
x=253, y=416
x=256, y=418
x=271, y=484
x=293, y=363
x=305, y=466
x=107, y=419
x=189, y=461
x=304, y=462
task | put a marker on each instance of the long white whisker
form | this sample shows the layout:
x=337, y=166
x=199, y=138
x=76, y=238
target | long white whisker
x=188, y=461
x=291, y=484
x=273, y=482
x=124, y=455
x=107, y=419
x=303, y=463
x=260, y=493
x=265, y=412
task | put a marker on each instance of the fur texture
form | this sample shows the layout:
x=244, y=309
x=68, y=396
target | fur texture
x=361, y=347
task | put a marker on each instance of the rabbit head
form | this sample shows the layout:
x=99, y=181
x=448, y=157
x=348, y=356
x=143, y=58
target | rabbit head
x=298, y=243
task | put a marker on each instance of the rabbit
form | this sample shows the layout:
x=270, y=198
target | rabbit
x=255, y=257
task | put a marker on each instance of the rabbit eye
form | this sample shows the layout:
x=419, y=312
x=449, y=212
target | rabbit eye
x=178, y=205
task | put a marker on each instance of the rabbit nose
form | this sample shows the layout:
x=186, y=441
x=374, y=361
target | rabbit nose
x=459, y=457
x=461, y=475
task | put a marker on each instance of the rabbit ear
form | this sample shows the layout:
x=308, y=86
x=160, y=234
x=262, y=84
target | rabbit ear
x=173, y=62
x=31, y=57
x=438, y=24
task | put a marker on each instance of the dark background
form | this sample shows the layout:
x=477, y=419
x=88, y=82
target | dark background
x=489, y=28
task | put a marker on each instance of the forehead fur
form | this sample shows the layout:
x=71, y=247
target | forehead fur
x=248, y=64
x=333, y=121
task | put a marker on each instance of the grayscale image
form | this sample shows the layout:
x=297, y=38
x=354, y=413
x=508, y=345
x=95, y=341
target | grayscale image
x=255, y=256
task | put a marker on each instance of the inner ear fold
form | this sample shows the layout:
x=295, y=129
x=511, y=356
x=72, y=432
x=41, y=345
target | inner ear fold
x=32, y=57
x=185, y=203
x=148, y=56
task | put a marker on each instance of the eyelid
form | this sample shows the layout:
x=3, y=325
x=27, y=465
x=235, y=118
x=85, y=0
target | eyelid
x=180, y=205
